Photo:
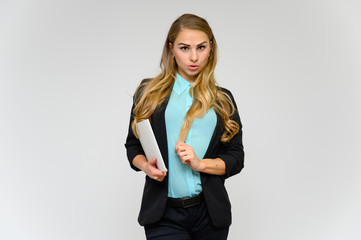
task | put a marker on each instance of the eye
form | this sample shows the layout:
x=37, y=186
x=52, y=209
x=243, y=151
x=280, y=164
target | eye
x=184, y=48
x=202, y=47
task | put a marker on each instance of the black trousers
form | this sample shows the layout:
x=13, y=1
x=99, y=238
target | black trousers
x=185, y=224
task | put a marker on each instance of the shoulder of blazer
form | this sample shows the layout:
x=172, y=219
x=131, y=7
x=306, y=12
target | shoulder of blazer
x=229, y=94
x=140, y=89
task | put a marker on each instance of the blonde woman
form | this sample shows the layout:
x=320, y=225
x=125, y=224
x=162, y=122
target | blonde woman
x=198, y=130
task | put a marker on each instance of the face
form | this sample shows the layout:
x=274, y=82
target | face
x=191, y=50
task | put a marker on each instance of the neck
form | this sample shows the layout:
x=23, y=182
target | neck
x=190, y=79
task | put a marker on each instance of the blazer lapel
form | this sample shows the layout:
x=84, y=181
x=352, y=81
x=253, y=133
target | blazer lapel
x=158, y=125
x=215, y=137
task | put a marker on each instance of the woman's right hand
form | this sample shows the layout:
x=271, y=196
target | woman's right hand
x=153, y=172
x=149, y=167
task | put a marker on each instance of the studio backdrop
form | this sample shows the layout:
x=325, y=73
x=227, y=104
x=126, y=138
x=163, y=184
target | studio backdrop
x=68, y=70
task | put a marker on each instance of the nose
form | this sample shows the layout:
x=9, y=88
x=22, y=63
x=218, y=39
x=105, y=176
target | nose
x=194, y=55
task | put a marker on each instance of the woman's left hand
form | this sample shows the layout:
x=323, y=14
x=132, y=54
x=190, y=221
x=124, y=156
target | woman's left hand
x=188, y=156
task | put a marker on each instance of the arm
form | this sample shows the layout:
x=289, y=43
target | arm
x=137, y=157
x=132, y=144
x=135, y=153
x=232, y=152
x=211, y=166
x=229, y=159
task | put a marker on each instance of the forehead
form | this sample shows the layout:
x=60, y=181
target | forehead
x=190, y=36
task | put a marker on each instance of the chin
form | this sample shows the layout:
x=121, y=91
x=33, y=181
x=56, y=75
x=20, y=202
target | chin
x=193, y=74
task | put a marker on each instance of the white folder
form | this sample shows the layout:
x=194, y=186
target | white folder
x=149, y=143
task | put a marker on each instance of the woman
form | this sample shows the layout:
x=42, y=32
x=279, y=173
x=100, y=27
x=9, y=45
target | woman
x=198, y=130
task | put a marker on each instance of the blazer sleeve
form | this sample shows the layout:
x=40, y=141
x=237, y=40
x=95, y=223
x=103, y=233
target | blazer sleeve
x=132, y=144
x=232, y=152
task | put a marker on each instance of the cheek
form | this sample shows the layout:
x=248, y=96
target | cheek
x=180, y=58
x=205, y=57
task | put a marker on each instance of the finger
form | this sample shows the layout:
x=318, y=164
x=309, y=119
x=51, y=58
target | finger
x=156, y=172
x=183, y=158
x=186, y=159
x=152, y=162
x=178, y=149
x=182, y=149
x=180, y=145
x=159, y=178
x=183, y=154
x=186, y=162
x=177, y=146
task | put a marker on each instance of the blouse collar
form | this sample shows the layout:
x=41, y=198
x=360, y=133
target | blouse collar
x=180, y=84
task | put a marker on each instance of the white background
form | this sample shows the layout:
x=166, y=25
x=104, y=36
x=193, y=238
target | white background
x=67, y=73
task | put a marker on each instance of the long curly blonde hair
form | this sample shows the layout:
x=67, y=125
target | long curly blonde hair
x=205, y=91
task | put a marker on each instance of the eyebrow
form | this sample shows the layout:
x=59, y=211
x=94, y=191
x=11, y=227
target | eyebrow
x=205, y=42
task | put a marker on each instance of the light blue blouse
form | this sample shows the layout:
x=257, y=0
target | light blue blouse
x=183, y=181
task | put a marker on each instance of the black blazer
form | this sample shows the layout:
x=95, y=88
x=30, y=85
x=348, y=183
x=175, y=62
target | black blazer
x=155, y=193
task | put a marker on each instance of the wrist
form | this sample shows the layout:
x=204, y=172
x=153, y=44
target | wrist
x=143, y=165
x=140, y=162
x=202, y=165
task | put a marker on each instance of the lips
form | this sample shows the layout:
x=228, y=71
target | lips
x=193, y=67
